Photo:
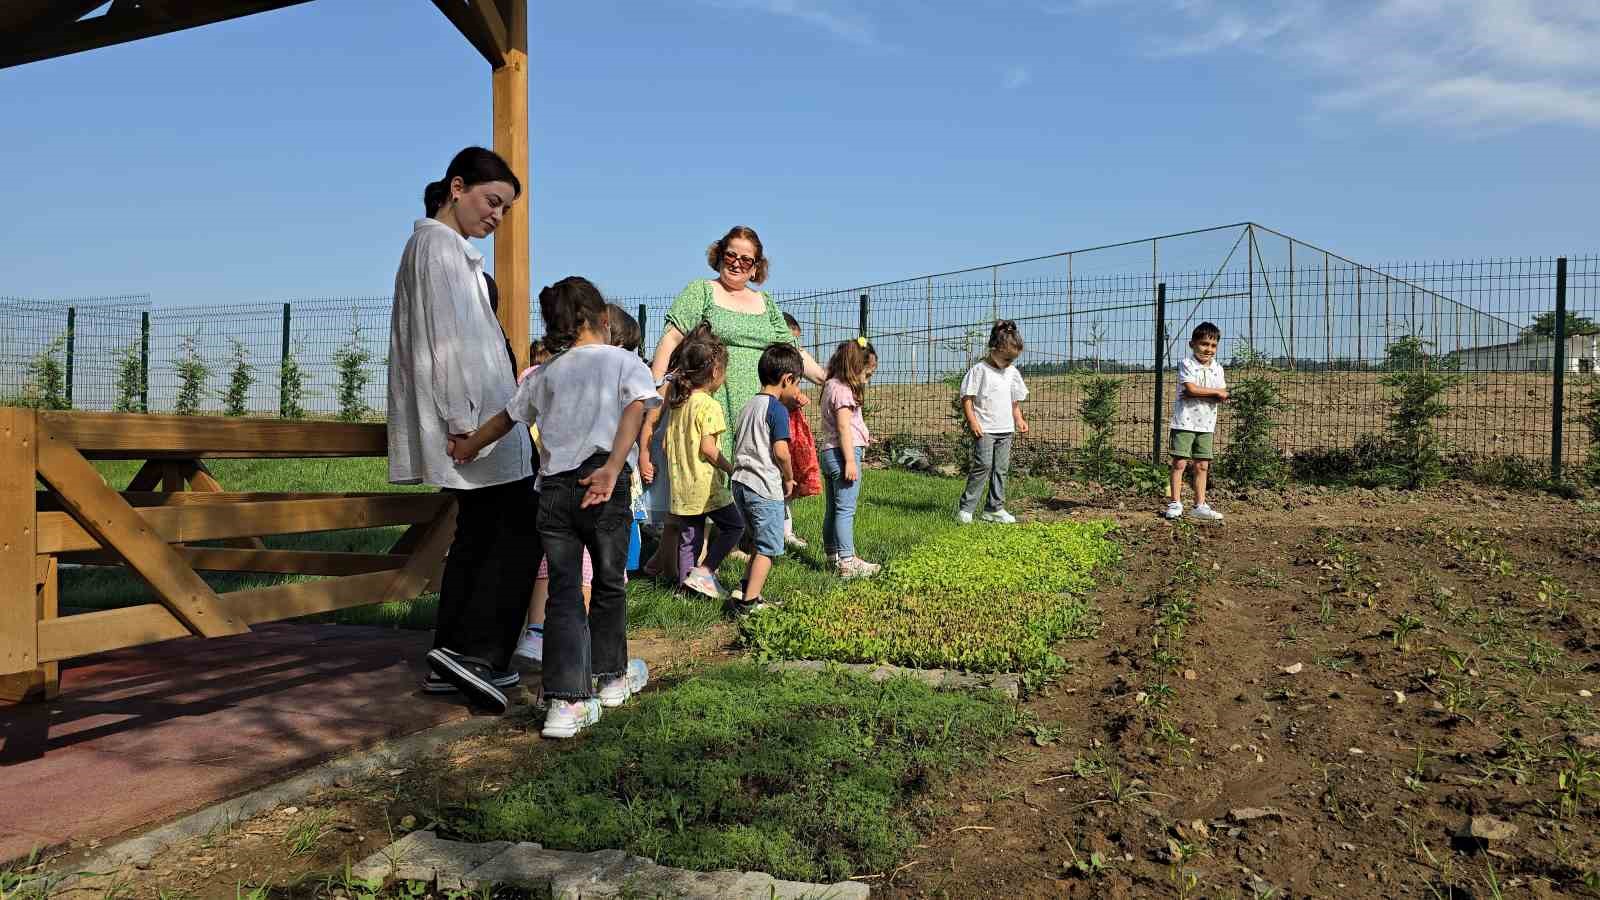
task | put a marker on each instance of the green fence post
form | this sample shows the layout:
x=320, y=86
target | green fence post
x=144, y=362
x=72, y=327
x=1559, y=360
x=866, y=303
x=644, y=334
x=283, y=361
x=1161, y=347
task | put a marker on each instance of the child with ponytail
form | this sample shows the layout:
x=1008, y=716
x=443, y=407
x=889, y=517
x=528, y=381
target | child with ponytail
x=843, y=453
x=697, y=470
x=991, y=402
x=588, y=401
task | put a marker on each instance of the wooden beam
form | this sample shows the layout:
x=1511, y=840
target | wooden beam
x=148, y=476
x=488, y=13
x=115, y=525
x=473, y=29
x=125, y=24
x=281, y=562
x=201, y=479
x=44, y=681
x=48, y=502
x=60, y=533
x=114, y=629
x=138, y=436
x=512, y=240
x=19, y=615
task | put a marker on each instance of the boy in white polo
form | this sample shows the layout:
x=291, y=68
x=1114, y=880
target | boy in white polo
x=1201, y=386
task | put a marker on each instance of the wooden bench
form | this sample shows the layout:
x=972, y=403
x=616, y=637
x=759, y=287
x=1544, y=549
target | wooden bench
x=172, y=501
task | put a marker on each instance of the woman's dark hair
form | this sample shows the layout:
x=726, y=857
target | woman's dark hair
x=474, y=165
x=1206, y=330
x=791, y=321
x=625, y=332
x=697, y=360
x=715, y=251
x=568, y=305
x=778, y=360
x=1005, y=337
x=849, y=365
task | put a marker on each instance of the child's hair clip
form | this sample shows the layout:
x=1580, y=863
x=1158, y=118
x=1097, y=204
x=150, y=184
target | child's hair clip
x=862, y=342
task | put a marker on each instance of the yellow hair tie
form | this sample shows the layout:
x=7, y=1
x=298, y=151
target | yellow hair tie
x=862, y=342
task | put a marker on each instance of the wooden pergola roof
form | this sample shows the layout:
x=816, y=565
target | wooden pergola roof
x=34, y=30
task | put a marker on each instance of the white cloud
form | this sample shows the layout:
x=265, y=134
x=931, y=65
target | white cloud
x=1015, y=77
x=1469, y=64
x=842, y=20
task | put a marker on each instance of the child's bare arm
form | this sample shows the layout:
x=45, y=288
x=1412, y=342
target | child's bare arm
x=602, y=481
x=971, y=416
x=711, y=452
x=1017, y=419
x=780, y=455
x=1191, y=389
x=465, y=449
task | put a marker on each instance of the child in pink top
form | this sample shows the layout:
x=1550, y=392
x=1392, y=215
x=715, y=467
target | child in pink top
x=842, y=452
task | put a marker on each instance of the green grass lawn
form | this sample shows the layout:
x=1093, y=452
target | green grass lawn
x=898, y=511
x=803, y=776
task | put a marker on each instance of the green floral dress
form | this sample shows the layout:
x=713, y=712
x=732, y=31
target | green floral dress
x=744, y=334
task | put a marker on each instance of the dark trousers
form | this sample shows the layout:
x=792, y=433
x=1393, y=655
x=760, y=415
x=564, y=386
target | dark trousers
x=488, y=576
x=578, y=647
x=730, y=527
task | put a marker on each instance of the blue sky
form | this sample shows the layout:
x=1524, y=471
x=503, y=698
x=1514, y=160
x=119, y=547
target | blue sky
x=283, y=155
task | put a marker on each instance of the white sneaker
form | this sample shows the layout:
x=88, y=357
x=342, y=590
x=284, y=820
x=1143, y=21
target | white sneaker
x=1173, y=510
x=794, y=541
x=615, y=691
x=1000, y=517
x=964, y=517
x=531, y=647
x=564, y=719
x=856, y=567
x=1204, y=511
x=701, y=581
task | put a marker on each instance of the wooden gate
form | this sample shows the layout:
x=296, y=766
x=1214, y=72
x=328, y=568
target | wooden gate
x=172, y=501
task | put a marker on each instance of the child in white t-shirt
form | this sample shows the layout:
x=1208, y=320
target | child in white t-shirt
x=1201, y=386
x=991, y=402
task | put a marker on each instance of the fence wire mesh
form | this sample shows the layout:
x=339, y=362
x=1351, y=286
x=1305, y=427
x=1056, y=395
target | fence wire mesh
x=1323, y=328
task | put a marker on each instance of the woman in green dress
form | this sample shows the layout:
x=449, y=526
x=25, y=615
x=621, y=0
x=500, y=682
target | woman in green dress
x=744, y=319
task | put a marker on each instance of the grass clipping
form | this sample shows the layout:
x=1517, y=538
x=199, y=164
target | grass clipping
x=802, y=776
x=983, y=599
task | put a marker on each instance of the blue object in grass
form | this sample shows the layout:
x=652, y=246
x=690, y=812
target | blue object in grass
x=633, y=541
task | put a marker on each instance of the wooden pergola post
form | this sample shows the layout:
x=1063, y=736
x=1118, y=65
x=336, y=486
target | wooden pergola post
x=512, y=254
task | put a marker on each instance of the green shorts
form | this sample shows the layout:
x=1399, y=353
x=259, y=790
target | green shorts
x=1190, y=444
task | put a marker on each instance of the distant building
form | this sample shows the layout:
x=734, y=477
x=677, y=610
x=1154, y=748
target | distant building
x=1534, y=354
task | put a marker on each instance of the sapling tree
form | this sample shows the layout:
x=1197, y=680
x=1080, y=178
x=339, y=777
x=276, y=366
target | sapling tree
x=1591, y=418
x=47, y=378
x=241, y=377
x=1416, y=402
x=291, y=387
x=130, y=379
x=193, y=373
x=1099, y=411
x=1252, y=456
x=351, y=362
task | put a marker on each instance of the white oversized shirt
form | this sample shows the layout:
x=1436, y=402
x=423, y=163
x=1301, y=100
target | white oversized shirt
x=448, y=372
x=993, y=391
x=1197, y=413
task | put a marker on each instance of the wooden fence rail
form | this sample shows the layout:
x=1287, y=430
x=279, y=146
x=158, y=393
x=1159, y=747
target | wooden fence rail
x=174, y=500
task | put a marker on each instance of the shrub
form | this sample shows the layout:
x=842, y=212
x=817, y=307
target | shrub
x=803, y=776
x=983, y=599
x=1591, y=418
x=1413, y=442
x=47, y=379
x=241, y=377
x=291, y=387
x=1251, y=456
x=130, y=379
x=1099, y=411
x=193, y=373
x=351, y=362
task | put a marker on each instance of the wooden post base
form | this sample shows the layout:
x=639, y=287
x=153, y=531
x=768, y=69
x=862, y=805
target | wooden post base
x=44, y=682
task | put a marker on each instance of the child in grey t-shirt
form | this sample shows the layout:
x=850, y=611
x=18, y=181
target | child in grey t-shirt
x=763, y=476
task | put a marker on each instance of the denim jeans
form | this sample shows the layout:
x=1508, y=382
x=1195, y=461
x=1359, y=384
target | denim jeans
x=489, y=573
x=839, y=501
x=991, y=460
x=578, y=647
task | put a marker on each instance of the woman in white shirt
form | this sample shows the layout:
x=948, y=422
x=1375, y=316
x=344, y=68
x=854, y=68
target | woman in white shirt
x=448, y=373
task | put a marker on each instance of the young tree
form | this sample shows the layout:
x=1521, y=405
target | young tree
x=241, y=377
x=193, y=373
x=351, y=361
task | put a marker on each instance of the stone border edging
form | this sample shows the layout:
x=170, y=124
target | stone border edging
x=455, y=865
x=384, y=755
x=1007, y=683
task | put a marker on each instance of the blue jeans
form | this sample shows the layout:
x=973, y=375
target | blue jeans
x=579, y=646
x=839, y=496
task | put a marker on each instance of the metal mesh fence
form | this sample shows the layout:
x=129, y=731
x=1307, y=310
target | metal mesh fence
x=1324, y=329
